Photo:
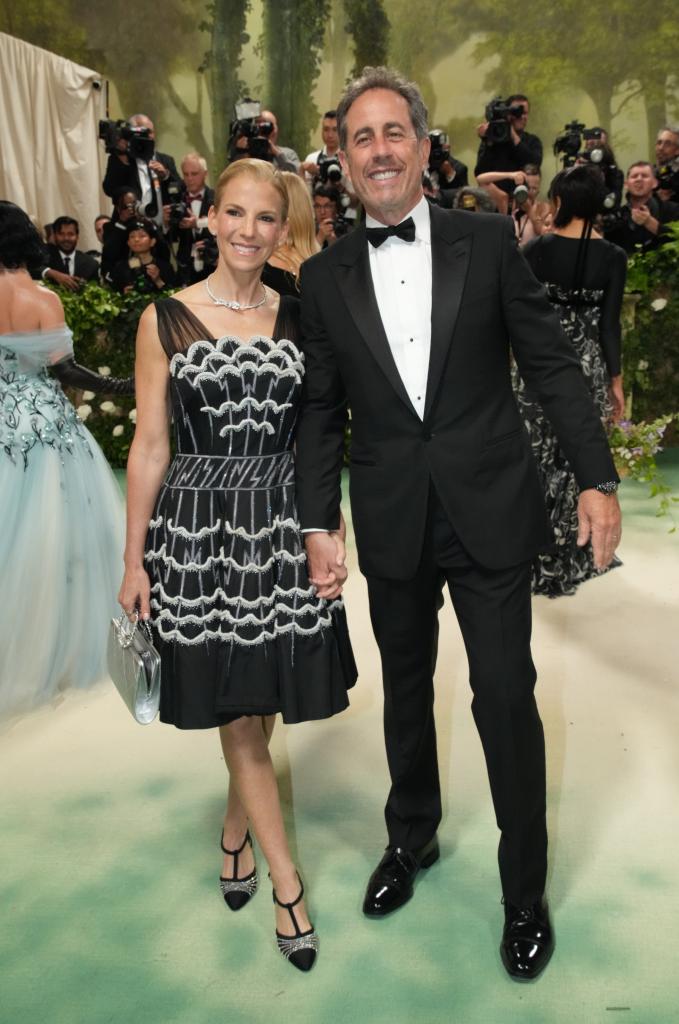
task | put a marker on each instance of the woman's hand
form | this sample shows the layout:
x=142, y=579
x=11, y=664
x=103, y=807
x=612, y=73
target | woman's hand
x=617, y=397
x=135, y=593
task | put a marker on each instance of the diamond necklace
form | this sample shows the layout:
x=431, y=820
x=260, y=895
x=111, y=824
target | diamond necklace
x=232, y=304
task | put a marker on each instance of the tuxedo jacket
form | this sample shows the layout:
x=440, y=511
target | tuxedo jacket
x=187, y=236
x=85, y=266
x=471, y=445
x=119, y=174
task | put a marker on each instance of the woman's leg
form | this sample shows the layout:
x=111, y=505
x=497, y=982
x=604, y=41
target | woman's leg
x=236, y=819
x=246, y=752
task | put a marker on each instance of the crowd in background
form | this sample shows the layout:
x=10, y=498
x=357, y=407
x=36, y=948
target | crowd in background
x=156, y=236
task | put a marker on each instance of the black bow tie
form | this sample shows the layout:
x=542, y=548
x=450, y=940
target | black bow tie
x=404, y=230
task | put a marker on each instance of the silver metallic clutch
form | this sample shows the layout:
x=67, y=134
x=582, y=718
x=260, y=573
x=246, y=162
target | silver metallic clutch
x=134, y=666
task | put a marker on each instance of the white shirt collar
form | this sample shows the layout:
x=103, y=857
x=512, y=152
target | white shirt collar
x=420, y=215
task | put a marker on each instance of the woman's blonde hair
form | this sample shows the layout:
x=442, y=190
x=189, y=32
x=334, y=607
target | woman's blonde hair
x=301, y=241
x=260, y=170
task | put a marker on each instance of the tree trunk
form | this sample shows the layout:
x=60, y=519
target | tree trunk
x=337, y=50
x=224, y=85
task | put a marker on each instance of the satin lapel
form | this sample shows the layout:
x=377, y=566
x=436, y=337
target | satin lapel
x=450, y=255
x=354, y=280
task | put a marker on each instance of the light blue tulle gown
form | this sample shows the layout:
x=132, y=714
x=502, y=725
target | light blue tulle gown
x=61, y=530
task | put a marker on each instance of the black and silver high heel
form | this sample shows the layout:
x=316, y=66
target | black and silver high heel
x=301, y=948
x=237, y=891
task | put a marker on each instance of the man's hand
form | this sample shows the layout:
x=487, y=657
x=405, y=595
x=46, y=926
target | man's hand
x=70, y=281
x=482, y=129
x=599, y=521
x=160, y=169
x=310, y=167
x=519, y=178
x=325, y=560
x=641, y=215
x=326, y=232
x=188, y=222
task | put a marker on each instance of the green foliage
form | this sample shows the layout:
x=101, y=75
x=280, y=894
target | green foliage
x=634, y=447
x=292, y=48
x=368, y=24
x=651, y=340
x=104, y=326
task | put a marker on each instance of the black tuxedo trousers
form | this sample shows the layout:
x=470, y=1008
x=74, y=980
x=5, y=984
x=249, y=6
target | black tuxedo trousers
x=493, y=609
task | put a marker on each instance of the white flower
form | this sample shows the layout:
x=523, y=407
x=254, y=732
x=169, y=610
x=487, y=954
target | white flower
x=658, y=304
x=643, y=364
x=84, y=411
x=132, y=415
x=118, y=430
x=104, y=371
x=88, y=396
x=107, y=407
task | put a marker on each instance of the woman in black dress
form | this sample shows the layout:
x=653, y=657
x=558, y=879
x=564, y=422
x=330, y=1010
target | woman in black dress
x=214, y=556
x=585, y=280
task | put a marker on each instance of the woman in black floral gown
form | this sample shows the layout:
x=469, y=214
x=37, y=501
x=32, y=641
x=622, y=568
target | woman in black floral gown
x=585, y=280
x=214, y=555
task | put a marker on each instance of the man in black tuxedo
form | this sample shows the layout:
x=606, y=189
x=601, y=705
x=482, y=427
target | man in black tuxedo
x=67, y=265
x=408, y=321
x=192, y=232
x=124, y=170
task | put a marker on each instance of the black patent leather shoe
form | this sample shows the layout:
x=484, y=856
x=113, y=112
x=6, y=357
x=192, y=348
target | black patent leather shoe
x=527, y=940
x=391, y=883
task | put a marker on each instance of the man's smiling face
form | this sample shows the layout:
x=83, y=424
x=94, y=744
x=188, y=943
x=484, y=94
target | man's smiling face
x=383, y=156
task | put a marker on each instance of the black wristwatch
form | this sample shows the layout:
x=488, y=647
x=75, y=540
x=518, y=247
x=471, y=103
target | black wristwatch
x=608, y=487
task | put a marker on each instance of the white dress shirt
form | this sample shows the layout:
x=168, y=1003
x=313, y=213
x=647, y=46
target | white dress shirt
x=144, y=182
x=402, y=279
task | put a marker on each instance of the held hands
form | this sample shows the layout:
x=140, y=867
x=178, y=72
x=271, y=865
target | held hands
x=599, y=521
x=135, y=593
x=326, y=555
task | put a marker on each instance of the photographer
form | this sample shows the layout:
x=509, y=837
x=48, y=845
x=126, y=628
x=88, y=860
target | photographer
x=640, y=223
x=446, y=172
x=521, y=203
x=187, y=220
x=667, y=164
x=133, y=162
x=474, y=200
x=330, y=224
x=505, y=143
x=143, y=270
x=311, y=165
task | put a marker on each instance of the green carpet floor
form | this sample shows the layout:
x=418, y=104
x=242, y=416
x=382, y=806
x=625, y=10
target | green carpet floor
x=108, y=872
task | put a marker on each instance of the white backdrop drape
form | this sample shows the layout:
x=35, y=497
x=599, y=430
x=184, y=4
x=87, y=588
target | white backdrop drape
x=50, y=160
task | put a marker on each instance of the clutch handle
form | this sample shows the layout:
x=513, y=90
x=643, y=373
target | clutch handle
x=125, y=628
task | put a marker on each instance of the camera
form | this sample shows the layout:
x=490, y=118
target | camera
x=329, y=170
x=340, y=226
x=140, y=145
x=440, y=149
x=246, y=126
x=178, y=208
x=498, y=112
x=668, y=178
x=569, y=142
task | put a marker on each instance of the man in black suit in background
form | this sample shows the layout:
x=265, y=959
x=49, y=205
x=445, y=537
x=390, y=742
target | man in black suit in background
x=192, y=231
x=125, y=170
x=67, y=265
x=408, y=321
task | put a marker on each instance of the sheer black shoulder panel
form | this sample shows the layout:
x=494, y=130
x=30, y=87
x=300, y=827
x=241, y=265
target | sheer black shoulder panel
x=178, y=327
x=287, y=321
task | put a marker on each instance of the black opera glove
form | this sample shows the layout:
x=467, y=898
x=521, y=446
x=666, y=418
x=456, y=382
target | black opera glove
x=67, y=371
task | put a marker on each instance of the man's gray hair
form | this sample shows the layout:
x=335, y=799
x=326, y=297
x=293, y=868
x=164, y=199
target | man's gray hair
x=200, y=160
x=383, y=78
x=673, y=129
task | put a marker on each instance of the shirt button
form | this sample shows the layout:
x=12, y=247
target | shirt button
x=427, y=435
x=412, y=339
